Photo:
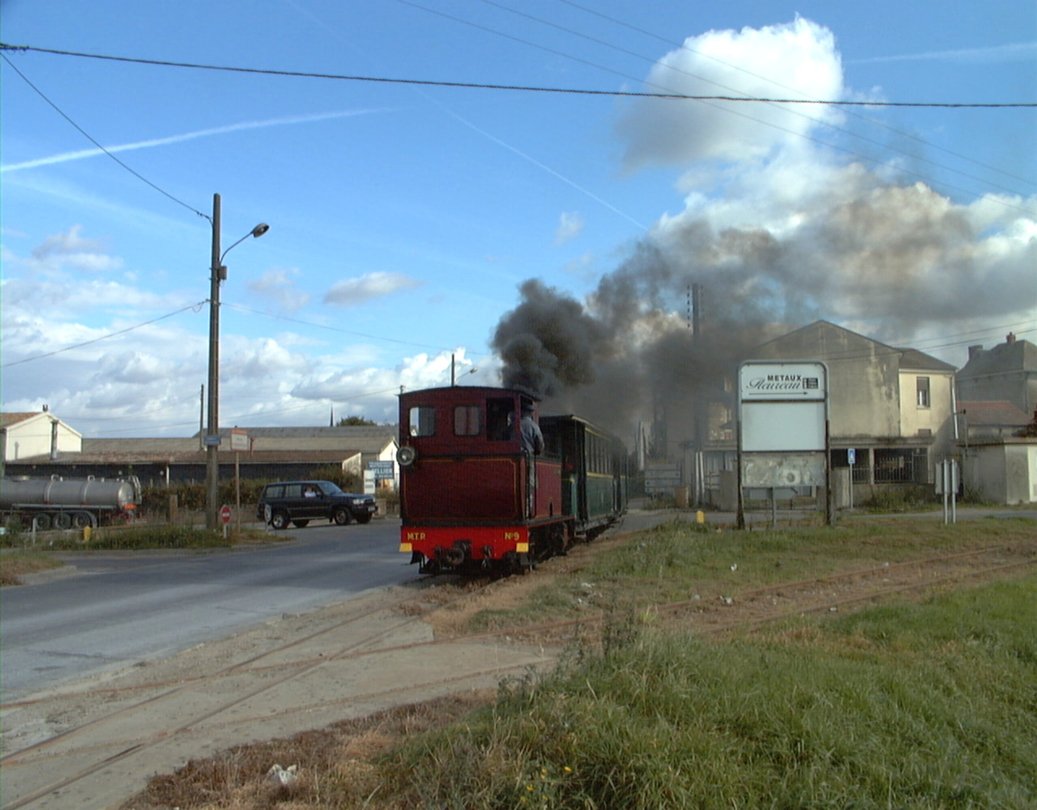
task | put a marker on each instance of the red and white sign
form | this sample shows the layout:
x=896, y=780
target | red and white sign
x=225, y=514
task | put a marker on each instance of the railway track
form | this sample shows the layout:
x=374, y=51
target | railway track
x=95, y=746
x=98, y=745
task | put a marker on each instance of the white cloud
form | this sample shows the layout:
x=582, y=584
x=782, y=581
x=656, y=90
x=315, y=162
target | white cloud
x=71, y=251
x=570, y=225
x=797, y=59
x=280, y=285
x=355, y=291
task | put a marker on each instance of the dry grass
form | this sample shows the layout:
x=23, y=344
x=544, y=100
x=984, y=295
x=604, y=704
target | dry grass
x=333, y=765
x=15, y=565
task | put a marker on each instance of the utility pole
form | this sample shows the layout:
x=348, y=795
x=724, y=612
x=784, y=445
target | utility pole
x=218, y=273
x=212, y=431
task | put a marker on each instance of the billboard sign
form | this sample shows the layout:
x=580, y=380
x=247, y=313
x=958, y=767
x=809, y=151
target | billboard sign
x=783, y=406
x=238, y=440
x=776, y=382
x=383, y=470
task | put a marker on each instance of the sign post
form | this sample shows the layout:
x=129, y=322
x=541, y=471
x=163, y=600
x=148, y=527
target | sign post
x=238, y=442
x=225, y=515
x=783, y=427
x=851, y=458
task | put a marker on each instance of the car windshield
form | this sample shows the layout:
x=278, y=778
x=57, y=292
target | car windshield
x=330, y=488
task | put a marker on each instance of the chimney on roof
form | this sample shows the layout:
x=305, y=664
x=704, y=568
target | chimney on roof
x=975, y=350
x=1010, y=338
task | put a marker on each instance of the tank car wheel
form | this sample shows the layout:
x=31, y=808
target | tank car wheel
x=81, y=520
x=62, y=520
x=341, y=516
x=279, y=520
x=41, y=522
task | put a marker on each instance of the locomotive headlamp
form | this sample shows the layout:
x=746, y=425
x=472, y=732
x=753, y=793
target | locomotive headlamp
x=406, y=455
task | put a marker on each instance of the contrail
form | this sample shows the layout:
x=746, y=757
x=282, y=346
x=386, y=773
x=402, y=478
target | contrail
x=1011, y=52
x=81, y=154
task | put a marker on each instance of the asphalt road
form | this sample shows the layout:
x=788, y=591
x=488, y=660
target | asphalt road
x=110, y=611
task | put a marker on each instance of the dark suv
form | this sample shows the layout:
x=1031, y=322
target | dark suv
x=299, y=502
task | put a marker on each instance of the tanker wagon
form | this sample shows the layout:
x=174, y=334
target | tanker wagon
x=61, y=503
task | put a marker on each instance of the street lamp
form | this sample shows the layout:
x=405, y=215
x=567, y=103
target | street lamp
x=218, y=273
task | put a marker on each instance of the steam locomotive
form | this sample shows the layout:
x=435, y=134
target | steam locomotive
x=61, y=503
x=473, y=498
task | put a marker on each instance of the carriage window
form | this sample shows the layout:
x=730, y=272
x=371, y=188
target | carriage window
x=466, y=420
x=500, y=418
x=422, y=421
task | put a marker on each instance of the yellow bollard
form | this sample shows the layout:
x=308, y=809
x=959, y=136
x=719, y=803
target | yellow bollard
x=87, y=531
x=700, y=517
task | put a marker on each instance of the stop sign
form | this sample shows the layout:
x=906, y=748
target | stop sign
x=225, y=514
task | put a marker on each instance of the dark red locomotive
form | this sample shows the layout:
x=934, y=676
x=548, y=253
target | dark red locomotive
x=475, y=496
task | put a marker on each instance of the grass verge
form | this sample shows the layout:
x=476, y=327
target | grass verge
x=680, y=561
x=914, y=705
x=19, y=556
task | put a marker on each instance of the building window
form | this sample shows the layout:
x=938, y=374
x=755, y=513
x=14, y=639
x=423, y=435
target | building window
x=923, y=392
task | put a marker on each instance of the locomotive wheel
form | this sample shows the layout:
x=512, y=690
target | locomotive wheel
x=41, y=522
x=62, y=520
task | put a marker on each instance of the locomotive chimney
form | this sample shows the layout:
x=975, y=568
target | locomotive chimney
x=53, y=439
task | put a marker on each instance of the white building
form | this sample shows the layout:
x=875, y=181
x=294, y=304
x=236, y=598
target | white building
x=25, y=435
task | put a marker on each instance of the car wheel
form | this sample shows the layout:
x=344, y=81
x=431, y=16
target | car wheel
x=279, y=520
x=364, y=519
x=302, y=524
x=341, y=516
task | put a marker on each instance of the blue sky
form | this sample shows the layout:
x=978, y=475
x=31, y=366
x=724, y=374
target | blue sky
x=404, y=218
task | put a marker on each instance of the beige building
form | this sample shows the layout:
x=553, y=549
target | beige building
x=893, y=406
x=27, y=435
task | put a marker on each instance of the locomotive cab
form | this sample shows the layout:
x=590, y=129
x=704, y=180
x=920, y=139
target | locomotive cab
x=473, y=494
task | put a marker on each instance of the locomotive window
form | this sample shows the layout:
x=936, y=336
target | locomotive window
x=466, y=420
x=500, y=418
x=422, y=421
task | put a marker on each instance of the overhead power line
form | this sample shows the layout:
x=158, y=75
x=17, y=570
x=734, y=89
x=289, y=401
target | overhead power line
x=521, y=88
x=94, y=141
x=105, y=337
